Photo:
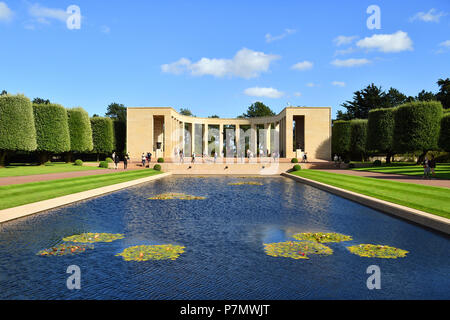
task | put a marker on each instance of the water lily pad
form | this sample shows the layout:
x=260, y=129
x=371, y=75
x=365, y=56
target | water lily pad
x=63, y=250
x=377, y=251
x=322, y=237
x=94, y=237
x=155, y=252
x=253, y=183
x=177, y=196
x=296, y=249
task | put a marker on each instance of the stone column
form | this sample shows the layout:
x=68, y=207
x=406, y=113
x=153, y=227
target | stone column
x=220, y=140
x=192, y=138
x=253, y=140
x=237, y=138
x=205, y=139
x=267, y=126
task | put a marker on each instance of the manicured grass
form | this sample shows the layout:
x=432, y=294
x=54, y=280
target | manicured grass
x=442, y=170
x=24, y=169
x=20, y=194
x=425, y=198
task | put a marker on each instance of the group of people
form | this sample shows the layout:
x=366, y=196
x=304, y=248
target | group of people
x=337, y=161
x=146, y=158
x=429, y=167
x=116, y=159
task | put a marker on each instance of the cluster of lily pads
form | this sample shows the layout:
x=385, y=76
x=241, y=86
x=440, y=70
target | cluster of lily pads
x=311, y=243
x=155, y=252
x=177, y=196
x=254, y=183
x=136, y=253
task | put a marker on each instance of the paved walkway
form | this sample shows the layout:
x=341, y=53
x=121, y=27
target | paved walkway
x=393, y=177
x=4, y=181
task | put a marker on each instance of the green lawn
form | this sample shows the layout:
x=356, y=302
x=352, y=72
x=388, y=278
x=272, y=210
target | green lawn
x=426, y=198
x=19, y=194
x=24, y=169
x=442, y=170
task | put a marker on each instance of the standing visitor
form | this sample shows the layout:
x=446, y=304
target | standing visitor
x=125, y=161
x=215, y=156
x=335, y=160
x=143, y=160
x=116, y=161
x=193, y=157
x=113, y=156
x=426, y=168
x=432, y=165
x=149, y=157
x=305, y=157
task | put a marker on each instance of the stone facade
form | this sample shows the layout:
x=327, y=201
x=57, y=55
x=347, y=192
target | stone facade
x=164, y=132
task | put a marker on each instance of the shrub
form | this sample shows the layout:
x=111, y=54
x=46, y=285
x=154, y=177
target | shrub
x=17, y=130
x=102, y=135
x=380, y=131
x=294, y=160
x=377, y=163
x=417, y=126
x=358, y=137
x=160, y=160
x=444, y=136
x=157, y=167
x=297, y=167
x=52, y=129
x=103, y=164
x=351, y=165
x=78, y=162
x=109, y=160
x=340, y=140
x=80, y=130
x=48, y=164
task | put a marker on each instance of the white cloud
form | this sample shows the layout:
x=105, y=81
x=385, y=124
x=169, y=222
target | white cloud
x=430, y=16
x=270, y=38
x=263, y=92
x=105, y=29
x=297, y=94
x=304, y=65
x=312, y=85
x=395, y=42
x=6, y=13
x=245, y=64
x=350, y=62
x=445, y=44
x=341, y=40
x=344, y=51
x=338, y=83
x=43, y=14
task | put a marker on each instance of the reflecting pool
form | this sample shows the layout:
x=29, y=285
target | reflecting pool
x=223, y=236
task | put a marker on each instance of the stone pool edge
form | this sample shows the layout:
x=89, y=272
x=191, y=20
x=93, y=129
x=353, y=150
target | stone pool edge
x=36, y=207
x=429, y=220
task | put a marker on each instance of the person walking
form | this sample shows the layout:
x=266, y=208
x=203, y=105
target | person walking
x=125, y=161
x=143, y=160
x=193, y=157
x=432, y=165
x=116, y=161
x=335, y=160
x=426, y=168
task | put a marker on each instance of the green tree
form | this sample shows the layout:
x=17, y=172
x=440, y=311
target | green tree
x=80, y=131
x=258, y=109
x=444, y=136
x=380, y=131
x=41, y=101
x=186, y=112
x=4, y=92
x=52, y=130
x=358, y=137
x=102, y=135
x=417, y=126
x=117, y=111
x=17, y=130
x=340, y=138
x=444, y=92
x=214, y=116
x=120, y=134
x=425, y=96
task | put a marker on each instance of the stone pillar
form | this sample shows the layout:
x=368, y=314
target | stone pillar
x=192, y=138
x=237, y=138
x=205, y=138
x=168, y=151
x=220, y=140
x=253, y=140
x=289, y=129
x=267, y=126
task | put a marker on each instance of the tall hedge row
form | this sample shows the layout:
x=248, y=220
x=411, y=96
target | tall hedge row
x=380, y=131
x=102, y=135
x=17, y=131
x=444, y=137
x=358, y=137
x=120, y=133
x=52, y=129
x=340, y=139
x=417, y=126
x=80, y=130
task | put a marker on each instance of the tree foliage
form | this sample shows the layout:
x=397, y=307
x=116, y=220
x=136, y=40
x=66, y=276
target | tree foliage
x=80, y=130
x=444, y=136
x=358, y=137
x=52, y=129
x=41, y=101
x=102, y=134
x=380, y=131
x=340, y=139
x=117, y=111
x=17, y=130
x=258, y=109
x=120, y=133
x=444, y=92
x=186, y=112
x=417, y=126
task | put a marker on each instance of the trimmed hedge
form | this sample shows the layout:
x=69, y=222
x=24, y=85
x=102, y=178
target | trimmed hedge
x=160, y=160
x=340, y=140
x=377, y=163
x=157, y=167
x=52, y=129
x=417, y=126
x=103, y=164
x=358, y=139
x=380, y=130
x=297, y=167
x=102, y=135
x=17, y=130
x=78, y=162
x=80, y=130
x=294, y=160
x=120, y=133
x=444, y=136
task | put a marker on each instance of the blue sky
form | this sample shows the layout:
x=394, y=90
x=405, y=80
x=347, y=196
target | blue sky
x=217, y=57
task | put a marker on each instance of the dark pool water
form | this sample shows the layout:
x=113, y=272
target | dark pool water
x=224, y=256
